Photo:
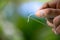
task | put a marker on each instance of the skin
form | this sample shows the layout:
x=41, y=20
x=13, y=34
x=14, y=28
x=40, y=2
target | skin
x=51, y=11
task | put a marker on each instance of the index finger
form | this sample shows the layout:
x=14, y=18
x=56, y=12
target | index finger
x=45, y=5
x=50, y=4
x=48, y=13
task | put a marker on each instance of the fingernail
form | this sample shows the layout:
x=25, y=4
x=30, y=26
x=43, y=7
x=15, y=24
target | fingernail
x=54, y=31
x=42, y=12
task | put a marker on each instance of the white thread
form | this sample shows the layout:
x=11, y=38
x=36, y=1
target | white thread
x=29, y=18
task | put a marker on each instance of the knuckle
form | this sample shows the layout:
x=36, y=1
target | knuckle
x=47, y=11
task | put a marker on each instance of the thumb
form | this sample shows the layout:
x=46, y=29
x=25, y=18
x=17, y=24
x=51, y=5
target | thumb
x=48, y=13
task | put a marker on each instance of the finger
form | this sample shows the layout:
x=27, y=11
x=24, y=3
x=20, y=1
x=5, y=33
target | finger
x=49, y=13
x=50, y=24
x=58, y=30
x=50, y=4
x=42, y=13
x=45, y=5
x=53, y=29
x=57, y=4
x=56, y=21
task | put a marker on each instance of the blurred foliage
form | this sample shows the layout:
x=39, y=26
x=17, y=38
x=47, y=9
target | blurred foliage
x=26, y=31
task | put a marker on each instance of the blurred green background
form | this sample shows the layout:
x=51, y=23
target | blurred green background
x=15, y=27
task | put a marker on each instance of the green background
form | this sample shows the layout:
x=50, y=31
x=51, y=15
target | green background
x=31, y=31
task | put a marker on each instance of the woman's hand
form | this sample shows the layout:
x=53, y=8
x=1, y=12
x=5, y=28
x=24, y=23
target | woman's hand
x=51, y=11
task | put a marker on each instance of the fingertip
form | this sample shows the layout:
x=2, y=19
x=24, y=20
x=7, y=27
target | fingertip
x=58, y=29
x=54, y=31
x=40, y=13
x=50, y=24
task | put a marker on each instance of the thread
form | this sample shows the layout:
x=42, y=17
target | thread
x=30, y=16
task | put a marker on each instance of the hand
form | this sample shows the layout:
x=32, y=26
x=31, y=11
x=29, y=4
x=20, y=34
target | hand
x=51, y=11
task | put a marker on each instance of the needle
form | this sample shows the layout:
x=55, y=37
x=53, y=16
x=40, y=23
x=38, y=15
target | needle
x=35, y=20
